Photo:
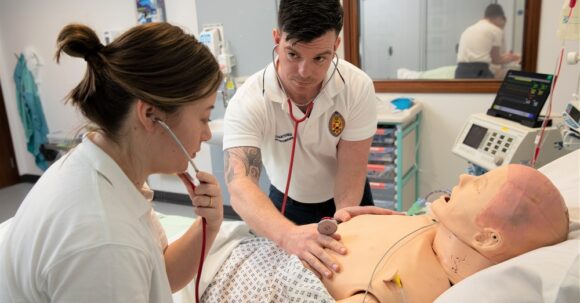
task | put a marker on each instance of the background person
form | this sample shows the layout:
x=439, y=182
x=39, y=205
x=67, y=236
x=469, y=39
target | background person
x=481, y=44
x=86, y=232
x=332, y=144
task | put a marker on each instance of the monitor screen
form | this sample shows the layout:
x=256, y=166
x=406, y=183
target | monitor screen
x=521, y=96
x=475, y=136
x=573, y=113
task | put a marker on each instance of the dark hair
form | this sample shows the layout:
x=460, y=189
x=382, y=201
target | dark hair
x=306, y=20
x=156, y=62
x=494, y=11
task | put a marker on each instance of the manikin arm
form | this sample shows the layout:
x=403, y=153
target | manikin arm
x=351, y=173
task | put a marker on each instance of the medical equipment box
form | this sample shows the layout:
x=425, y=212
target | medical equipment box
x=491, y=142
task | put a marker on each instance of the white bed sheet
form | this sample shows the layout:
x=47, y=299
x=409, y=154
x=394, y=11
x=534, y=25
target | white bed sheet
x=230, y=235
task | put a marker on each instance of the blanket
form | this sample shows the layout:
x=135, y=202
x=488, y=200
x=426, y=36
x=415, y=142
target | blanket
x=259, y=271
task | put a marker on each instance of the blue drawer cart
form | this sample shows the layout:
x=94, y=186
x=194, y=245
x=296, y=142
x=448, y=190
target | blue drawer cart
x=393, y=165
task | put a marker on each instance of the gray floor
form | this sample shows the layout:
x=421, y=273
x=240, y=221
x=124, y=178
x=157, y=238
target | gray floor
x=12, y=196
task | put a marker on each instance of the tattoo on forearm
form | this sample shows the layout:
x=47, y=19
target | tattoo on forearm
x=243, y=160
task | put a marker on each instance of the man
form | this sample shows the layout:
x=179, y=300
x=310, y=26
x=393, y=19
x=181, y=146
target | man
x=480, y=45
x=337, y=104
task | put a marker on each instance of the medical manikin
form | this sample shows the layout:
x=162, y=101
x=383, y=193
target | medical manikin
x=486, y=220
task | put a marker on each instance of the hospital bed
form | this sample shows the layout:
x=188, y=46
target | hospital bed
x=548, y=274
x=448, y=72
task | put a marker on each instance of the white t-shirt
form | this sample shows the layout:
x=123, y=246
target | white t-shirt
x=477, y=41
x=83, y=234
x=258, y=116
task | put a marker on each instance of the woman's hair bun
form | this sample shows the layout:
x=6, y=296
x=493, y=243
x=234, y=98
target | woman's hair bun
x=78, y=40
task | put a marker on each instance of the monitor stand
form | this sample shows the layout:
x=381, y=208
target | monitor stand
x=532, y=124
x=537, y=123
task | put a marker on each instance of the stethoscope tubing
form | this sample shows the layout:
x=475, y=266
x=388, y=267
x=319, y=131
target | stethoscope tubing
x=193, y=186
x=296, y=121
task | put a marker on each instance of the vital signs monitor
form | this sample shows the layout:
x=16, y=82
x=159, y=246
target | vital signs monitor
x=521, y=97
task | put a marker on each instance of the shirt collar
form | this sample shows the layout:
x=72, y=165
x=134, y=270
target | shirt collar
x=273, y=92
x=108, y=169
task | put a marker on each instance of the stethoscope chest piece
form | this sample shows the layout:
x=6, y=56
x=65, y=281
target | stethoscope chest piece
x=328, y=226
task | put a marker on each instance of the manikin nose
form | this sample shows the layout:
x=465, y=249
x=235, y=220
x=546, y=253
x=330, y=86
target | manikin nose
x=464, y=179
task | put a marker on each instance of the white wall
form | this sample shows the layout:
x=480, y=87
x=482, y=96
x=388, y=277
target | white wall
x=443, y=117
x=33, y=23
x=549, y=50
x=36, y=23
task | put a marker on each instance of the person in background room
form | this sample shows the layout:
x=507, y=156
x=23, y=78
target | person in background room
x=481, y=44
x=86, y=232
x=486, y=220
x=336, y=102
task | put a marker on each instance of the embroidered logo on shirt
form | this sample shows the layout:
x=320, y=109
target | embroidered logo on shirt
x=336, y=124
x=284, y=137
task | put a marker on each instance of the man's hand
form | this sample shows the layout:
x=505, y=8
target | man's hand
x=347, y=213
x=511, y=57
x=305, y=242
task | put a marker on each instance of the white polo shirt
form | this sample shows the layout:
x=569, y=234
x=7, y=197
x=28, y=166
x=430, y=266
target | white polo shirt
x=258, y=116
x=83, y=234
x=477, y=41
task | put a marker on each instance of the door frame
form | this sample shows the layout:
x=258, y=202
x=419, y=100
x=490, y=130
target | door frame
x=9, y=174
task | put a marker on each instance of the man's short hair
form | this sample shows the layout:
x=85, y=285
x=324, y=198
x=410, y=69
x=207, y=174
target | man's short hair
x=306, y=20
x=494, y=11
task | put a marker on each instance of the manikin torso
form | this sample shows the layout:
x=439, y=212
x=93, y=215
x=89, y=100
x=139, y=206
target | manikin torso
x=412, y=260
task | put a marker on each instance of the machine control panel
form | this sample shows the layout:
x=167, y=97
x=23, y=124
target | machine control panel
x=491, y=142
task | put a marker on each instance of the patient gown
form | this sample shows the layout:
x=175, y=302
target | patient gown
x=259, y=271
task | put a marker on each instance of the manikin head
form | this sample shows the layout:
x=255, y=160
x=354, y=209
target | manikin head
x=494, y=217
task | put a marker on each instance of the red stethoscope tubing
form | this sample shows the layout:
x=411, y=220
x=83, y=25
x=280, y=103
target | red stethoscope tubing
x=296, y=123
x=202, y=254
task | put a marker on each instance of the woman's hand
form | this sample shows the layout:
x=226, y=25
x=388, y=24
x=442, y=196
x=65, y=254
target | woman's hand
x=207, y=198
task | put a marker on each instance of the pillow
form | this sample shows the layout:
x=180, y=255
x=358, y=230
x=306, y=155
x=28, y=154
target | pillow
x=548, y=274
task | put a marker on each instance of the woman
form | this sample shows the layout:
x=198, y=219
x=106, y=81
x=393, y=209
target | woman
x=86, y=231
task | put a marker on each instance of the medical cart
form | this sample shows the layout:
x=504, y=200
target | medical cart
x=393, y=166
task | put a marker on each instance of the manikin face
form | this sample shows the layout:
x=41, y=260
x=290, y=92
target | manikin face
x=302, y=66
x=190, y=125
x=468, y=199
x=504, y=213
x=459, y=234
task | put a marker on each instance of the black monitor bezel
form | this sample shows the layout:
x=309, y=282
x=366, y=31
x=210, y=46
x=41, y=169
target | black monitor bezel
x=531, y=122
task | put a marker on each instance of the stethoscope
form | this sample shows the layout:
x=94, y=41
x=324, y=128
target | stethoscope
x=193, y=183
x=296, y=120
